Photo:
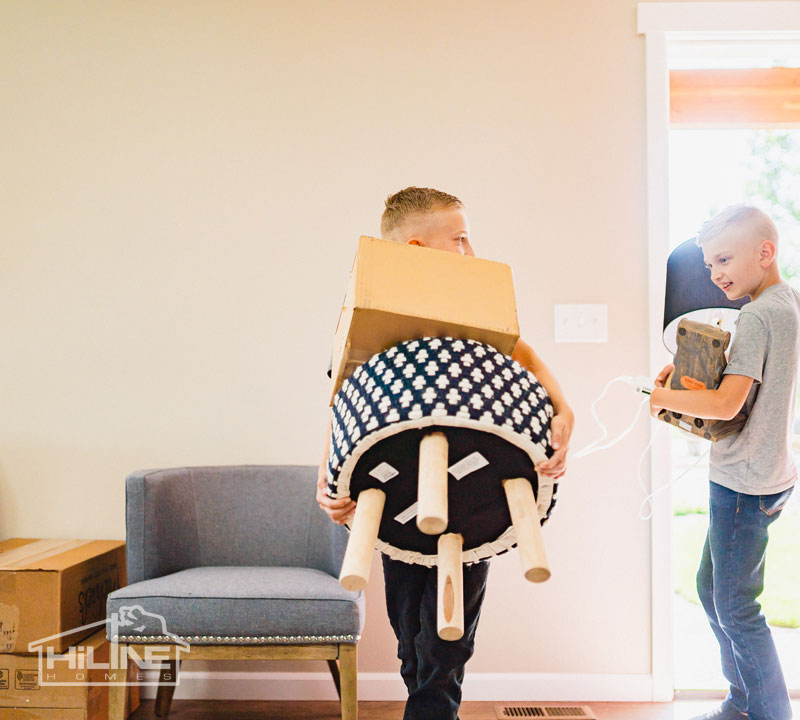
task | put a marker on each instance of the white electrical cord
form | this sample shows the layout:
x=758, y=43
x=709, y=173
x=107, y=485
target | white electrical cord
x=646, y=514
x=641, y=385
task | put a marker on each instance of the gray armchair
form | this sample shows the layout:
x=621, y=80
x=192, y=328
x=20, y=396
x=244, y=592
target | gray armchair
x=233, y=563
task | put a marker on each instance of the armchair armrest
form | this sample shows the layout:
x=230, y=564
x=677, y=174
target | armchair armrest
x=161, y=526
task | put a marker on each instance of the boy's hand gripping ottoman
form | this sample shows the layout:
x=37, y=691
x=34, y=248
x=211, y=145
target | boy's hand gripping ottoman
x=439, y=435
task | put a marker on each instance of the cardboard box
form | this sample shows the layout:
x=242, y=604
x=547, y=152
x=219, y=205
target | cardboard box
x=401, y=292
x=23, y=694
x=49, y=587
x=43, y=714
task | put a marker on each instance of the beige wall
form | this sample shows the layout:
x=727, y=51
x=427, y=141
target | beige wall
x=183, y=184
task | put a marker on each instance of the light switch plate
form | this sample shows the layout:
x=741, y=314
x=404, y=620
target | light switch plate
x=581, y=323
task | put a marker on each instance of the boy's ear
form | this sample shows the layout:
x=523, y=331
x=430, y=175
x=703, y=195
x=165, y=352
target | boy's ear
x=767, y=252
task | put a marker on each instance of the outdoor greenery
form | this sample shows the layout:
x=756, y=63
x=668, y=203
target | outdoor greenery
x=693, y=510
x=781, y=597
x=774, y=185
x=774, y=166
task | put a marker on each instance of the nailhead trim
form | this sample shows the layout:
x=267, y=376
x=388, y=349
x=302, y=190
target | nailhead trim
x=216, y=640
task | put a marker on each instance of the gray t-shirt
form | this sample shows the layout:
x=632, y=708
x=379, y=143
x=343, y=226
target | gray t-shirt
x=758, y=460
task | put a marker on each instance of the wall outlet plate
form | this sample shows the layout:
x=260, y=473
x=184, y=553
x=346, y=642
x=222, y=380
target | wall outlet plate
x=581, y=323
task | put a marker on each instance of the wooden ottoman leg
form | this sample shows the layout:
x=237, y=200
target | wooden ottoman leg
x=528, y=529
x=358, y=555
x=432, y=490
x=450, y=588
x=165, y=692
x=348, y=670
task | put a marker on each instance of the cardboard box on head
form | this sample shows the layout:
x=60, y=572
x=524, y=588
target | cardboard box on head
x=401, y=292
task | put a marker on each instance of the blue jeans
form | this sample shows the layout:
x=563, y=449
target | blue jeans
x=432, y=668
x=730, y=578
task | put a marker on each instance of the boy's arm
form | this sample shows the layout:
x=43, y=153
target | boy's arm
x=563, y=419
x=720, y=404
x=339, y=509
x=745, y=366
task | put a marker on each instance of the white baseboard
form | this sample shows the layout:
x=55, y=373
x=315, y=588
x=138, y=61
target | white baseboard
x=508, y=687
x=560, y=687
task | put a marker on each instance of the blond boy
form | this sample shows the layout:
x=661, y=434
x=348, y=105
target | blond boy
x=432, y=668
x=752, y=473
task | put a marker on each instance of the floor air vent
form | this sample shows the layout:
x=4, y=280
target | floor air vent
x=565, y=712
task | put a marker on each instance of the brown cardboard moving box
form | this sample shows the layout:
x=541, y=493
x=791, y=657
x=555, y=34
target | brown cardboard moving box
x=401, y=292
x=43, y=714
x=25, y=692
x=49, y=587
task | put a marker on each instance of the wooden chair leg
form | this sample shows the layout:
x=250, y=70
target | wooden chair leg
x=349, y=672
x=132, y=694
x=118, y=694
x=165, y=692
x=334, y=668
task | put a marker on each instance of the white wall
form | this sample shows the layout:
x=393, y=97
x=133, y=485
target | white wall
x=183, y=185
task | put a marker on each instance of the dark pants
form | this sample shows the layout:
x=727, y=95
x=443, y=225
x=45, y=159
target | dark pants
x=432, y=668
x=730, y=578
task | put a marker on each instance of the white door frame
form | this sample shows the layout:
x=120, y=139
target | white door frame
x=661, y=22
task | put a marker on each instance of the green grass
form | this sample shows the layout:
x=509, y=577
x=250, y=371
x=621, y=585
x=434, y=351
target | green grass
x=781, y=597
x=690, y=510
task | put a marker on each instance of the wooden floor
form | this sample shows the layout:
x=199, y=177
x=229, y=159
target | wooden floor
x=261, y=710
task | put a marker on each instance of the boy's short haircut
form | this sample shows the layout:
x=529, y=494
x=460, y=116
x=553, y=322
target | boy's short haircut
x=413, y=201
x=759, y=223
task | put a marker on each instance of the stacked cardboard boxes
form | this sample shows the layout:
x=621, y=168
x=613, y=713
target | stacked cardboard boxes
x=54, y=656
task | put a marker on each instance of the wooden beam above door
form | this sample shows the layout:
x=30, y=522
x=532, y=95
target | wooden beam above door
x=763, y=96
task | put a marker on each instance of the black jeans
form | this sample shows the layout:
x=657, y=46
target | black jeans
x=432, y=668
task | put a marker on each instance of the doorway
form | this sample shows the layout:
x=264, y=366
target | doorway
x=728, y=161
x=710, y=168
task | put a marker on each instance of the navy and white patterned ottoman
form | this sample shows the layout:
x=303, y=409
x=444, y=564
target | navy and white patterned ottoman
x=494, y=414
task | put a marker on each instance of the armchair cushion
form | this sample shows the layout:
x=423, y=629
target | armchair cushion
x=264, y=604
